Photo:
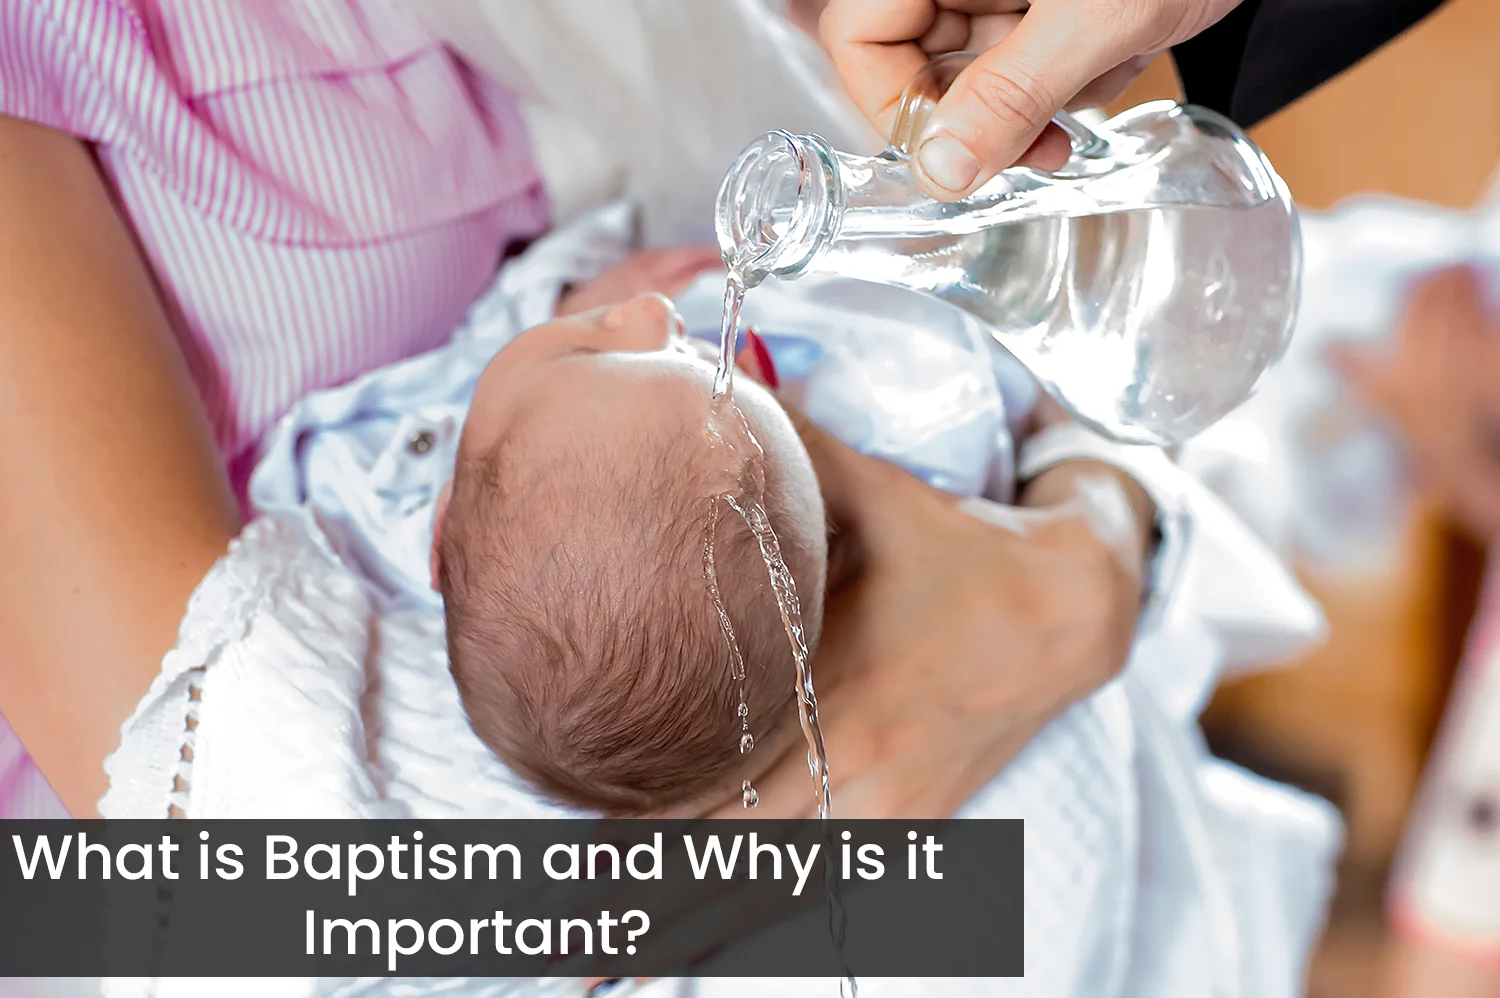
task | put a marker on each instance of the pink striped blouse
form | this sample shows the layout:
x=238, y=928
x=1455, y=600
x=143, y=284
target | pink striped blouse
x=319, y=185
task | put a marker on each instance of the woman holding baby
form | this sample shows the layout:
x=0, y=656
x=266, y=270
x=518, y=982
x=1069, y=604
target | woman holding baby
x=210, y=210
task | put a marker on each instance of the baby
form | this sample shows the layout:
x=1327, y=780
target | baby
x=570, y=554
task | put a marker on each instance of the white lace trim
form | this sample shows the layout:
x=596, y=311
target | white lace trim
x=182, y=783
x=152, y=772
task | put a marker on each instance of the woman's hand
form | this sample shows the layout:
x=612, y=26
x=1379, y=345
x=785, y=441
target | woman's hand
x=950, y=640
x=663, y=271
x=1440, y=385
x=1036, y=59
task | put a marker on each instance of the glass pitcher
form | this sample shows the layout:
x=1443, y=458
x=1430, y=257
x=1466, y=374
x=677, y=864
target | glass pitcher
x=1148, y=284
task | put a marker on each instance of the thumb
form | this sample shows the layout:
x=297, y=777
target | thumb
x=1001, y=102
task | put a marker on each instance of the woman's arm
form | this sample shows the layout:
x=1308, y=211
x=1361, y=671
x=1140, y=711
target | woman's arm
x=113, y=500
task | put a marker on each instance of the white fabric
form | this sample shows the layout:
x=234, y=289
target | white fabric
x=319, y=652
x=1253, y=613
x=645, y=99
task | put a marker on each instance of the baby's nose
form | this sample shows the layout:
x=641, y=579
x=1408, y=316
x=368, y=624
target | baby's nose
x=645, y=322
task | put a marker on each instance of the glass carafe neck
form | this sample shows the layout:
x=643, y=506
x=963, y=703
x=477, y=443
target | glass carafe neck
x=781, y=203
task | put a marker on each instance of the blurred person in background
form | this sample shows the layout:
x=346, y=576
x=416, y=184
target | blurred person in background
x=1438, y=383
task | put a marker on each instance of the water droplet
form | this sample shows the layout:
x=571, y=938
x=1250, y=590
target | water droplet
x=744, y=709
x=748, y=795
x=747, y=742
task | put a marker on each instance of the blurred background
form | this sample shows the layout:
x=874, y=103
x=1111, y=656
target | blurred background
x=1355, y=720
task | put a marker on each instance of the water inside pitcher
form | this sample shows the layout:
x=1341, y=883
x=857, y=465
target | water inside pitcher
x=1148, y=284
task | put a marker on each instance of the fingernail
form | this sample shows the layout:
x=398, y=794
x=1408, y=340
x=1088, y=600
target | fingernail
x=763, y=360
x=948, y=163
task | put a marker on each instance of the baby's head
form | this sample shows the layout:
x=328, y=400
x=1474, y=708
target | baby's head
x=571, y=559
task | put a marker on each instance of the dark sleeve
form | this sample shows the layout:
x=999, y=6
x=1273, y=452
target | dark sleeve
x=1267, y=53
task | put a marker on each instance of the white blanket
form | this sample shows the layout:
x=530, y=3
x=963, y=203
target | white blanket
x=319, y=661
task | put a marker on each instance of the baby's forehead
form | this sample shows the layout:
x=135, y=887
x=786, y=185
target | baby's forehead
x=592, y=428
x=615, y=395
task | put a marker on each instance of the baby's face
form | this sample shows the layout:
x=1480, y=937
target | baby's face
x=624, y=376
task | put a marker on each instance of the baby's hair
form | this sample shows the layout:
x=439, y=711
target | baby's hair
x=580, y=632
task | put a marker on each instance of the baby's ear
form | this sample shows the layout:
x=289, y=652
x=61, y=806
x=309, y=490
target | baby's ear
x=439, y=516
